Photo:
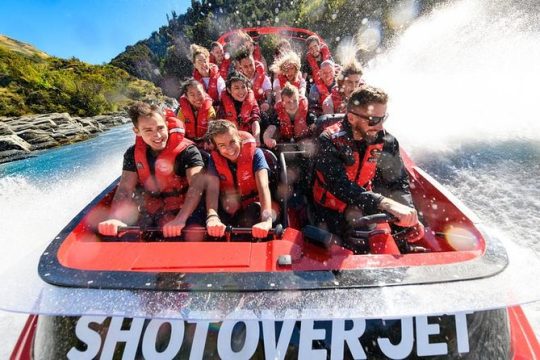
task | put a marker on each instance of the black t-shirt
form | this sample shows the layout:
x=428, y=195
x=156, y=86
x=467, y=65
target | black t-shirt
x=189, y=158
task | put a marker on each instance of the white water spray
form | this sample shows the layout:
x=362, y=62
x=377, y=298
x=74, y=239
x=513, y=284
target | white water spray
x=467, y=73
x=463, y=87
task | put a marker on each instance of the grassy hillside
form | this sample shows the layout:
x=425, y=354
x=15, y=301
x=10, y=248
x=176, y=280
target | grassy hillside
x=22, y=48
x=34, y=82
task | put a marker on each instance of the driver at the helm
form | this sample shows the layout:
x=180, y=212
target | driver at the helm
x=359, y=170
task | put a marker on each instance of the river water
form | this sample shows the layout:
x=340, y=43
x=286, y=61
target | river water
x=40, y=195
x=463, y=86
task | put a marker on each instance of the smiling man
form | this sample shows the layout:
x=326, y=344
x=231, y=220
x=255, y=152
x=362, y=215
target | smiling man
x=358, y=162
x=322, y=88
x=156, y=174
x=238, y=174
x=292, y=121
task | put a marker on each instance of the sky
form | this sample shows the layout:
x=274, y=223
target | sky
x=94, y=31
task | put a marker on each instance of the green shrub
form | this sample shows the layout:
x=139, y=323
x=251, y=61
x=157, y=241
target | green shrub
x=64, y=85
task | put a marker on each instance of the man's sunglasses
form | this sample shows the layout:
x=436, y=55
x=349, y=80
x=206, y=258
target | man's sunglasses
x=372, y=120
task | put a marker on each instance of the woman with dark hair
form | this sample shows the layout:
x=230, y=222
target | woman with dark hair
x=195, y=110
x=239, y=105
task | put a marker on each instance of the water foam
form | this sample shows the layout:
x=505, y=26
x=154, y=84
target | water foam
x=36, y=206
x=466, y=73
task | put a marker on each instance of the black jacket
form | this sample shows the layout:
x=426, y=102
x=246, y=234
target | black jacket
x=391, y=179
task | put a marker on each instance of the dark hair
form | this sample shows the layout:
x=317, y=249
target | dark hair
x=242, y=53
x=367, y=95
x=289, y=90
x=189, y=83
x=215, y=44
x=237, y=76
x=311, y=39
x=351, y=68
x=140, y=108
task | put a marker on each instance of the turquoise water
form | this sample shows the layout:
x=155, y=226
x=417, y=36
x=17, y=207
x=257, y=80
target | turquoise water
x=39, y=195
x=67, y=160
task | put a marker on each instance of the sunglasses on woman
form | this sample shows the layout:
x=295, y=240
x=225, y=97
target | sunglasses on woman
x=372, y=120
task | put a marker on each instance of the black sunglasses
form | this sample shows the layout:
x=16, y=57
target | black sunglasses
x=372, y=120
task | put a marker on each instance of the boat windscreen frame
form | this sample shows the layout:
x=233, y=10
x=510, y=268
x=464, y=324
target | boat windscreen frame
x=283, y=31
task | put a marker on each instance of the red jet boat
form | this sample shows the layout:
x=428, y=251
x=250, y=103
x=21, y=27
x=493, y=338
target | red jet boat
x=295, y=294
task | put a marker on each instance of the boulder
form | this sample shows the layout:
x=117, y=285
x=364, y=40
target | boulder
x=61, y=118
x=12, y=155
x=39, y=139
x=27, y=122
x=5, y=129
x=19, y=136
x=111, y=120
x=13, y=142
x=90, y=125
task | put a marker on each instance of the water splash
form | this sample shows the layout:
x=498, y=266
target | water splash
x=39, y=196
x=463, y=87
x=467, y=73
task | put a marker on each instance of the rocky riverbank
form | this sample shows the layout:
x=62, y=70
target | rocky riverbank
x=21, y=136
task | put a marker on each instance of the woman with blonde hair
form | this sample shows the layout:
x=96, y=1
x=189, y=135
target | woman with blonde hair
x=287, y=70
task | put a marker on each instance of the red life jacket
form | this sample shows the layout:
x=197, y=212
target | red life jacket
x=323, y=91
x=289, y=130
x=257, y=55
x=223, y=67
x=244, y=121
x=314, y=66
x=360, y=172
x=283, y=80
x=337, y=99
x=195, y=127
x=243, y=184
x=211, y=89
x=260, y=74
x=164, y=191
